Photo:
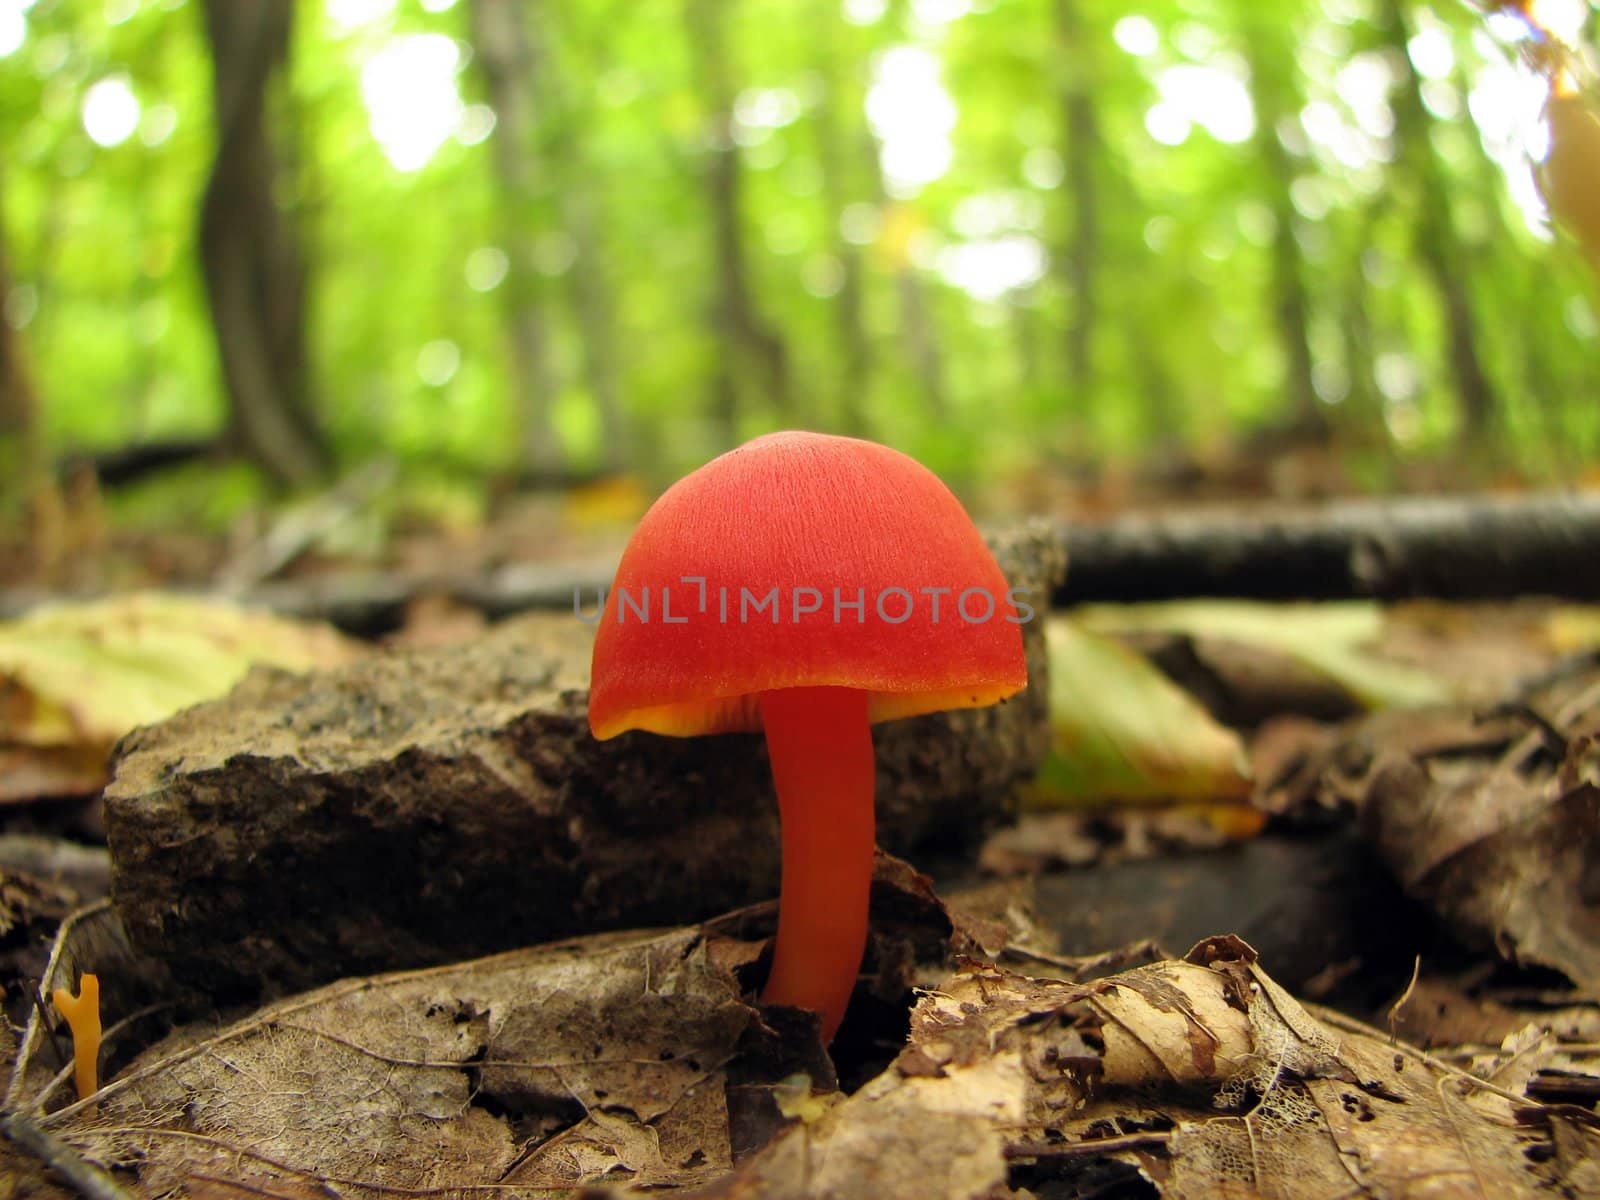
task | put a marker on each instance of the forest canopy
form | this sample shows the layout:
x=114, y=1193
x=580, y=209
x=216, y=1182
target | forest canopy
x=492, y=236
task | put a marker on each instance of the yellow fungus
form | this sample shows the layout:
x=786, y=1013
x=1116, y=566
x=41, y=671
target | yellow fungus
x=83, y=1018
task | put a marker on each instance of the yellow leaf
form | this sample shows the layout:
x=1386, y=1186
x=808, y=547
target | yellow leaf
x=85, y=674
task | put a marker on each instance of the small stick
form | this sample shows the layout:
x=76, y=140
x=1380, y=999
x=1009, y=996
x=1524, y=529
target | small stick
x=88, y=1180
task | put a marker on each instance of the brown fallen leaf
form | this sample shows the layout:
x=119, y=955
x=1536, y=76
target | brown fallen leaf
x=1040, y=841
x=29, y=773
x=627, y=1057
x=1576, y=1158
x=454, y=1077
x=614, y=1060
x=1504, y=857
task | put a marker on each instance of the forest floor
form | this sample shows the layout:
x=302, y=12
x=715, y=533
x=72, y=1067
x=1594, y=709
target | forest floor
x=1246, y=900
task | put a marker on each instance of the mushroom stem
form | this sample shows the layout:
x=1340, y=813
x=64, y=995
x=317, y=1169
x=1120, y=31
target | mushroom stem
x=820, y=744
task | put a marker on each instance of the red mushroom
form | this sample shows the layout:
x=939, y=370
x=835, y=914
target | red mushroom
x=806, y=586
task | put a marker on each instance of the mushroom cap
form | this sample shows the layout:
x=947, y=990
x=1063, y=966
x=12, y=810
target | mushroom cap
x=818, y=520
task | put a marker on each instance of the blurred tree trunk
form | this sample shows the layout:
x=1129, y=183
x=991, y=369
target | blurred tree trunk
x=918, y=329
x=506, y=57
x=591, y=297
x=1362, y=405
x=758, y=350
x=250, y=251
x=1549, y=391
x=918, y=325
x=580, y=209
x=18, y=402
x=1437, y=242
x=1083, y=148
x=839, y=98
x=1269, y=50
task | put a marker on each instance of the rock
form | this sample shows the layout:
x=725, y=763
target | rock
x=449, y=802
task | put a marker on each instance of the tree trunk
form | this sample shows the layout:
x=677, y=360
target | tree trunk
x=591, y=297
x=759, y=352
x=918, y=328
x=507, y=59
x=1273, y=92
x=18, y=402
x=1438, y=243
x=1084, y=147
x=833, y=138
x=250, y=252
x=581, y=213
x=1363, y=408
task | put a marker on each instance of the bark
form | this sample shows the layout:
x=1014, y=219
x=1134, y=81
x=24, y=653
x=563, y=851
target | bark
x=759, y=358
x=1438, y=244
x=506, y=57
x=1448, y=547
x=1443, y=547
x=1363, y=408
x=250, y=251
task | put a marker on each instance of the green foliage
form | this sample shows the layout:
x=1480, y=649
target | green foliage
x=408, y=333
x=204, y=497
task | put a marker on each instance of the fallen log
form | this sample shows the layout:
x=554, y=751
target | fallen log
x=1440, y=547
x=1444, y=547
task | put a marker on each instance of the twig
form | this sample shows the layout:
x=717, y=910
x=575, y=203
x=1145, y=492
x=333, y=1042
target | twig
x=1524, y=747
x=1086, y=1149
x=299, y=528
x=49, y=1026
x=1393, y=1018
x=86, y=1179
x=254, y=1189
x=323, y=1182
x=1338, y=1020
x=1082, y=966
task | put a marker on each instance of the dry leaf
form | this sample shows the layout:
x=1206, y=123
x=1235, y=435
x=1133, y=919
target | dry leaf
x=1201, y=1075
x=452, y=1078
x=76, y=677
x=1506, y=860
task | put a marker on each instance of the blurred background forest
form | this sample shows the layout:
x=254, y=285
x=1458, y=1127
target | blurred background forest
x=546, y=241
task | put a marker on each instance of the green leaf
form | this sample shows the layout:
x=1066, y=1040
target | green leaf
x=1123, y=731
x=1335, y=640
